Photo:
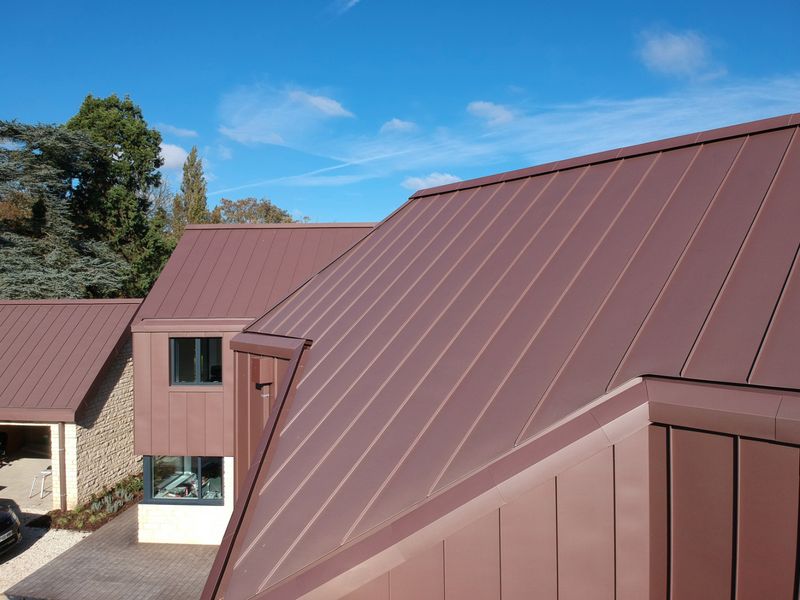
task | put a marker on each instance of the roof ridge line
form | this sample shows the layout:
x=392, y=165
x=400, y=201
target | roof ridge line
x=671, y=143
x=324, y=225
x=66, y=301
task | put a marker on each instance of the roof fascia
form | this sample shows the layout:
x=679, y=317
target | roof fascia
x=183, y=325
x=268, y=345
x=285, y=394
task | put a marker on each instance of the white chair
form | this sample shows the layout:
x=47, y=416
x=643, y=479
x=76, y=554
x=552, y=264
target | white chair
x=43, y=474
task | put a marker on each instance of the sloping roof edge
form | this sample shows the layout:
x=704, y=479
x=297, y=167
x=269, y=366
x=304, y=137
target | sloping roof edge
x=68, y=415
x=711, y=135
x=746, y=410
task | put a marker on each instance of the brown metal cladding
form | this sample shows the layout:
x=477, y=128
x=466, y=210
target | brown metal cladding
x=528, y=545
x=219, y=271
x=472, y=560
x=51, y=352
x=585, y=497
x=702, y=515
x=476, y=317
x=769, y=478
x=640, y=515
x=419, y=578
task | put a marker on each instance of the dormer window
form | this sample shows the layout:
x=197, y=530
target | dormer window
x=195, y=361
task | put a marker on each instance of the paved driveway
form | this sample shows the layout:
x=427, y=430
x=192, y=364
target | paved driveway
x=111, y=564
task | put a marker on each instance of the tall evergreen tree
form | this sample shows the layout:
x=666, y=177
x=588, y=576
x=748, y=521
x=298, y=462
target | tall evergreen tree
x=190, y=205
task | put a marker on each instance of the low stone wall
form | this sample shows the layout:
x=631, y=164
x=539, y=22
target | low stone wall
x=188, y=524
x=99, y=446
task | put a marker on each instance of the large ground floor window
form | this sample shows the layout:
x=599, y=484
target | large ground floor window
x=183, y=479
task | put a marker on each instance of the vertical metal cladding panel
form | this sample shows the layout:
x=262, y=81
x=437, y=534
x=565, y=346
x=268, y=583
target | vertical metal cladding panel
x=640, y=493
x=419, y=578
x=472, y=561
x=702, y=515
x=196, y=409
x=528, y=545
x=216, y=408
x=177, y=424
x=141, y=393
x=377, y=589
x=585, y=500
x=227, y=424
x=159, y=370
x=258, y=406
x=242, y=414
x=768, y=501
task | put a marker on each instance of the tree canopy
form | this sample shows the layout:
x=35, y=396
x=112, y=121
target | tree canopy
x=42, y=254
x=249, y=210
x=84, y=211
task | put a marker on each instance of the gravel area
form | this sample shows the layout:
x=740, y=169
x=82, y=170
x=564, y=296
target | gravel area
x=38, y=547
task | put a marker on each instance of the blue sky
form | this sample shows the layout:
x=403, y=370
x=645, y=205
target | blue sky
x=338, y=109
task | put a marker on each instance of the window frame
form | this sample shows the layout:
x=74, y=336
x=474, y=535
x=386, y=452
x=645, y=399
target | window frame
x=148, y=485
x=173, y=361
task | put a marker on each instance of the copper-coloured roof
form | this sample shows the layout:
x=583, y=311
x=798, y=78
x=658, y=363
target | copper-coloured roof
x=51, y=352
x=480, y=314
x=224, y=271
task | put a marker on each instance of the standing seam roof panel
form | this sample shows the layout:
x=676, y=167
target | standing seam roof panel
x=239, y=271
x=55, y=351
x=395, y=388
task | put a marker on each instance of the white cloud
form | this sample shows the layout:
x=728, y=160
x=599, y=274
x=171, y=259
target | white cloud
x=681, y=54
x=178, y=131
x=493, y=114
x=174, y=156
x=224, y=152
x=325, y=105
x=263, y=114
x=427, y=181
x=398, y=125
x=342, y=6
x=540, y=135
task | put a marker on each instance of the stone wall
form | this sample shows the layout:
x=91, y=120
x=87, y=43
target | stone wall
x=188, y=524
x=99, y=446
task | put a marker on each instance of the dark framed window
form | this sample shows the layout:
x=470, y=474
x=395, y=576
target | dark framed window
x=183, y=480
x=195, y=361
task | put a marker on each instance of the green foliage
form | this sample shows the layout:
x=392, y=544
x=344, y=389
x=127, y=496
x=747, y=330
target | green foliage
x=101, y=507
x=249, y=210
x=114, y=205
x=190, y=205
x=42, y=254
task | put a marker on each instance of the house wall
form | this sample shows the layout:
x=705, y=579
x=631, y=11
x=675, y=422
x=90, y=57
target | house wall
x=180, y=420
x=253, y=406
x=600, y=529
x=188, y=524
x=99, y=447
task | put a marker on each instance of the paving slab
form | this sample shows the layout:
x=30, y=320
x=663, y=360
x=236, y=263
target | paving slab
x=110, y=563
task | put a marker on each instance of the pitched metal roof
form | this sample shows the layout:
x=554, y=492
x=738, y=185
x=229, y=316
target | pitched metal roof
x=51, y=352
x=482, y=313
x=225, y=271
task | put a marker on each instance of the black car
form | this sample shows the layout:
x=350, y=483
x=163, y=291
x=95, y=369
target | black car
x=10, y=531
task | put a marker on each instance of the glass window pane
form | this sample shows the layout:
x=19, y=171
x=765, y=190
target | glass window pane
x=211, y=360
x=211, y=477
x=184, y=360
x=175, y=477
